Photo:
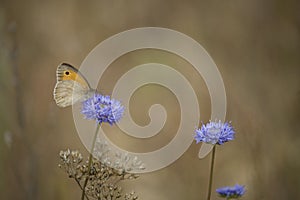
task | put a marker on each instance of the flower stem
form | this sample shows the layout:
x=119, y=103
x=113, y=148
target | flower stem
x=211, y=172
x=77, y=181
x=90, y=161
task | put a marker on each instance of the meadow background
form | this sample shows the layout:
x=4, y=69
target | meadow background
x=255, y=45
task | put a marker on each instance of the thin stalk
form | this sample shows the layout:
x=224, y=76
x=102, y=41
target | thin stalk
x=77, y=181
x=90, y=161
x=211, y=172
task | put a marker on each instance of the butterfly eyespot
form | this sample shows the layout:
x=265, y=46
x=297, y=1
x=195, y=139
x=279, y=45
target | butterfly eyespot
x=67, y=73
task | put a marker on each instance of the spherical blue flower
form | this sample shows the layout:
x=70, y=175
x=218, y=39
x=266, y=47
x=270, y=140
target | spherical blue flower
x=102, y=109
x=231, y=192
x=215, y=133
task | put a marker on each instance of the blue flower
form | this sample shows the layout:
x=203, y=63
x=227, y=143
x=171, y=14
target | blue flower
x=102, y=109
x=231, y=192
x=215, y=133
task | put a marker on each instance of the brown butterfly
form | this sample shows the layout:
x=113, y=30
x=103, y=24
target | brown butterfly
x=71, y=86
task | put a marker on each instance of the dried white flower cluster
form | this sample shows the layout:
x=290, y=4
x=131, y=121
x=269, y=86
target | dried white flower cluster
x=104, y=174
x=70, y=162
x=117, y=160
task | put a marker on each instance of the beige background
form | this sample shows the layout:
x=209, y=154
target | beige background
x=254, y=43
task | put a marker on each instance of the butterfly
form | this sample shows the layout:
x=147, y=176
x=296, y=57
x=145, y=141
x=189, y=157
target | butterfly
x=71, y=86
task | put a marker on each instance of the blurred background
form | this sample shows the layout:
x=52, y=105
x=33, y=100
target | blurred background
x=255, y=45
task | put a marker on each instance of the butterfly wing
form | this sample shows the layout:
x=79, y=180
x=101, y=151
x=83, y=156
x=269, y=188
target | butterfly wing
x=71, y=86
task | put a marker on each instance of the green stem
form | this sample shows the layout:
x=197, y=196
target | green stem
x=90, y=161
x=211, y=172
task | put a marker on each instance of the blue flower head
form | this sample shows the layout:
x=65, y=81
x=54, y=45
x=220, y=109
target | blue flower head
x=231, y=192
x=102, y=109
x=215, y=133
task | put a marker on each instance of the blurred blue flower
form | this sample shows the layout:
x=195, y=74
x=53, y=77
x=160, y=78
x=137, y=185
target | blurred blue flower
x=231, y=192
x=215, y=133
x=102, y=109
